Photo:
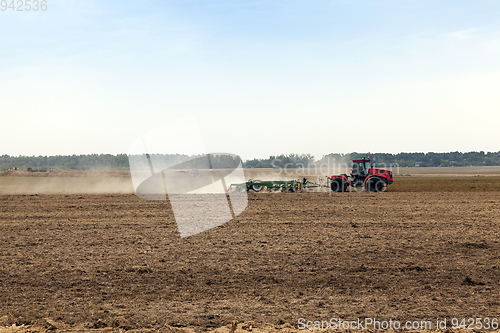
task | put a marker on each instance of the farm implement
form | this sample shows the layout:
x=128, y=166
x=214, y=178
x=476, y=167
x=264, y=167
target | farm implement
x=363, y=177
x=289, y=186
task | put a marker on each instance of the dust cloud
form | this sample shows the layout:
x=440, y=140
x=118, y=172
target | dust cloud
x=65, y=185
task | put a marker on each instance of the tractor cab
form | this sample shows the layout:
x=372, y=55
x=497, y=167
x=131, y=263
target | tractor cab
x=360, y=167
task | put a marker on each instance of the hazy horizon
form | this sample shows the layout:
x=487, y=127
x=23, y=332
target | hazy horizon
x=373, y=153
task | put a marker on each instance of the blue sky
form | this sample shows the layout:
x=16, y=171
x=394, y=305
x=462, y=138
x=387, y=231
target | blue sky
x=262, y=77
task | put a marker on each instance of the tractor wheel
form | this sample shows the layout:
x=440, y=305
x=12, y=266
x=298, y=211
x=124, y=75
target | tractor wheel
x=338, y=185
x=375, y=185
x=255, y=187
x=298, y=188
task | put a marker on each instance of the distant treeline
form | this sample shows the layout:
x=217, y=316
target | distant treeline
x=116, y=162
x=68, y=162
x=281, y=161
x=121, y=161
x=452, y=159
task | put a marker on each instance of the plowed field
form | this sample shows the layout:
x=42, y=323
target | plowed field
x=114, y=260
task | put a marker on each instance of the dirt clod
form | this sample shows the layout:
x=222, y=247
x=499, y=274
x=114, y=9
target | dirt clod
x=470, y=282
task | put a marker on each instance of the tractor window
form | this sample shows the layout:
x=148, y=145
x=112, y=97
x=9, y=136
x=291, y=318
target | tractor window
x=361, y=168
x=358, y=169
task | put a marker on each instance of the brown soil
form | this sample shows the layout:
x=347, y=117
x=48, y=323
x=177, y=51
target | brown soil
x=445, y=184
x=96, y=261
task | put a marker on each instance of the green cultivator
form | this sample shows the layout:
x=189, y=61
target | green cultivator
x=295, y=186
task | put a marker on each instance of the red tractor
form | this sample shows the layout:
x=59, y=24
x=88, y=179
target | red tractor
x=362, y=176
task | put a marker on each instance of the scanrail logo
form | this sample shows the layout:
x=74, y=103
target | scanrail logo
x=170, y=161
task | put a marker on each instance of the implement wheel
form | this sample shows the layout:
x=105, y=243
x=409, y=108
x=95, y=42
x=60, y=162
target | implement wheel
x=255, y=187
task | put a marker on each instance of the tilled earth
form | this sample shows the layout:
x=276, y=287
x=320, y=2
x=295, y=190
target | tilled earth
x=118, y=261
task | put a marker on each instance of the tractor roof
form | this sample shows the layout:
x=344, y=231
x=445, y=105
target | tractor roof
x=361, y=159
